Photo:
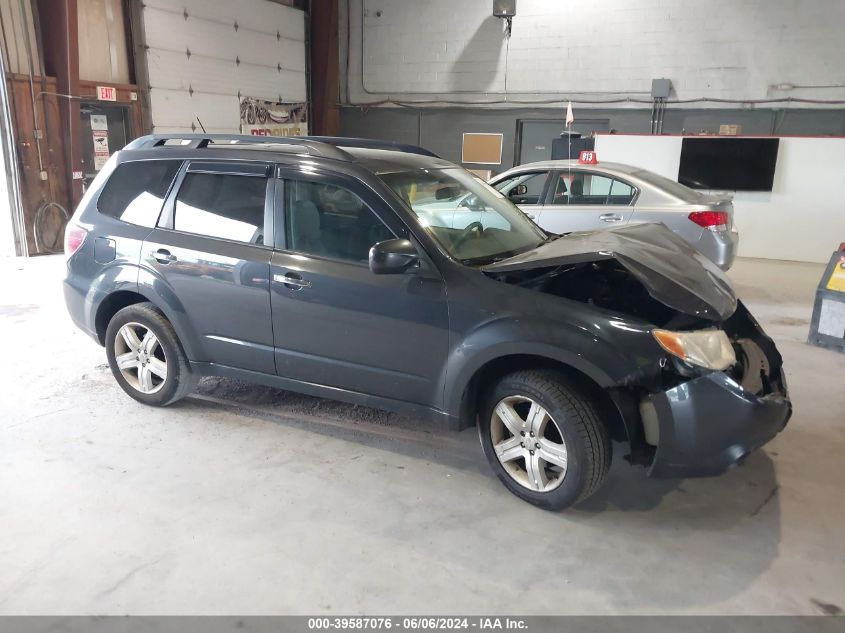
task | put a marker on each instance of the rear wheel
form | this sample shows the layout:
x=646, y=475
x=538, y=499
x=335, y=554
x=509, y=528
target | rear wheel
x=543, y=438
x=145, y=356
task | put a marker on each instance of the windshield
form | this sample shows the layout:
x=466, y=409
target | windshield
x=471, y=220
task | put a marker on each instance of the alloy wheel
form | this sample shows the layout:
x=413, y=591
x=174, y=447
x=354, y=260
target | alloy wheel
x=140, y=358
x=528, y=443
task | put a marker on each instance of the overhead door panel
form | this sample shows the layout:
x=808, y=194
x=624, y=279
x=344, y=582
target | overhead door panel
x=205, y=75
x=258, y=15
x=203, y=55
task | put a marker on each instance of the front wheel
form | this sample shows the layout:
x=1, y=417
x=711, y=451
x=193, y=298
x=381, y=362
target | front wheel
x=145, y=356
x=543, y=438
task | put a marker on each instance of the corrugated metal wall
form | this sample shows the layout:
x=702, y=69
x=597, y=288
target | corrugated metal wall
x=204, y=54
x=13, y=38
x=103, y=54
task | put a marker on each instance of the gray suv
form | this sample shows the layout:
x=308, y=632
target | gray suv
x=336, y=267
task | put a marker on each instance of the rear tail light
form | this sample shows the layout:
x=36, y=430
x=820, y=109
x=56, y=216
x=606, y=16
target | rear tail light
x=74, y=236
x=712, y=220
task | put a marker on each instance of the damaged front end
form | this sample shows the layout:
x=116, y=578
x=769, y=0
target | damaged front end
x=691, y=412
x=710, y=420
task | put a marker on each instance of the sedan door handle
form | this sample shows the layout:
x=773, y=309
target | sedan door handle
x=163, y=256
x=292, y=281
x=611, y=217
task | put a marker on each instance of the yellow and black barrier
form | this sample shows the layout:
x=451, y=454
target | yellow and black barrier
x=827, y=328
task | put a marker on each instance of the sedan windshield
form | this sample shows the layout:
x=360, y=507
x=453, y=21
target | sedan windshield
x=473, y=222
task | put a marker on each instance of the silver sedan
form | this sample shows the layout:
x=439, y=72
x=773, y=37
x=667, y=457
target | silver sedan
x=563, y=196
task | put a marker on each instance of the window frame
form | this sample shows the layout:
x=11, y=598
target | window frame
x=550, y=192
x=245, y=169
x=544, y=193
x=374, y=203
x=173, y=183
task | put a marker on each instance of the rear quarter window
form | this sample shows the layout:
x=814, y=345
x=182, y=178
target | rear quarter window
x=136, y=190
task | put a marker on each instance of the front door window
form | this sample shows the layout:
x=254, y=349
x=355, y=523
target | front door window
x=524, y=189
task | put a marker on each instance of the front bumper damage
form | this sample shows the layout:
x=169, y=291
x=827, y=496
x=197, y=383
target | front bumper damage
x=709, y=423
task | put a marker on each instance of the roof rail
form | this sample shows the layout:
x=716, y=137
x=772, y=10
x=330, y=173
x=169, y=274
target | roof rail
x=312, y=146
x=366, y=143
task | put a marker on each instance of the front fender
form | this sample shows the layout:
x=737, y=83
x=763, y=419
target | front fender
x=585, y=348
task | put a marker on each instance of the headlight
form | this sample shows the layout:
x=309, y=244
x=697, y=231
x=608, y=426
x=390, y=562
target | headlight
x=705, y=348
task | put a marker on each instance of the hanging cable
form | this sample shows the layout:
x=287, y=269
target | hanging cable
x=55, y=244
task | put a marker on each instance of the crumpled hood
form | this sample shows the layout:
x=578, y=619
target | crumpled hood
x=671, y=270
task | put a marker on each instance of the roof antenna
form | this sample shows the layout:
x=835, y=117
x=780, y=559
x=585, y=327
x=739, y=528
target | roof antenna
x=202, y=127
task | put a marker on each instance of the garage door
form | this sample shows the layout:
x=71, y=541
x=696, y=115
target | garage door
x=203, y=55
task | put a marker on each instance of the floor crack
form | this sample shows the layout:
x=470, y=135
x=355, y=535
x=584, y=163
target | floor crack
x=768, y=498
x=128, y=576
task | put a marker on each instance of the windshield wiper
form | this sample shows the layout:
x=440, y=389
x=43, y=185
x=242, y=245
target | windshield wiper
x=497, y=257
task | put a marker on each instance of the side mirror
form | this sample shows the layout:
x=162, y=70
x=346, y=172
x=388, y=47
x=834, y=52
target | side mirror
x=519, y=190
x=392, y=257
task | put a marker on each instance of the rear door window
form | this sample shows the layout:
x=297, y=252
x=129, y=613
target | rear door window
x=224, y=206
x=621, y=193
x=584, y=188
x=136, y=190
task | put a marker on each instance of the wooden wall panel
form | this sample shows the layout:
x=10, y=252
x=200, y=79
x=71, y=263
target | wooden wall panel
x=35, y=191
x=325, y=113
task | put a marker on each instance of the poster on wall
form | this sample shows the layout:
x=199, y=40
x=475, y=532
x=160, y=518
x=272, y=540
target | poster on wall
x=100, y=134
x=268, y=118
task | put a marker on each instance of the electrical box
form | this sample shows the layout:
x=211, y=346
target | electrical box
x=660, y=88
x=504, y=8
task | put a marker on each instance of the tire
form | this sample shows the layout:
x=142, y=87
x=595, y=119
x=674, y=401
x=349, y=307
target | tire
x=136, y=363
x=566, y=430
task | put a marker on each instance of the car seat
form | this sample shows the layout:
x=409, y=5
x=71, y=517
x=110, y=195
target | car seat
x=576, y=192
x=305, y=232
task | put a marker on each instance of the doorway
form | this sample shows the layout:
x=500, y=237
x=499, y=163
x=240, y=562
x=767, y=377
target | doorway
x=105, y=129
x=535, y=137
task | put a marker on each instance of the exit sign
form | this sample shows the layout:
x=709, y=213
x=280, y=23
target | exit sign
x=106, y=93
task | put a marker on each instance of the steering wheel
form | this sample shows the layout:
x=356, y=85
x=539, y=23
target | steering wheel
x=468, y=229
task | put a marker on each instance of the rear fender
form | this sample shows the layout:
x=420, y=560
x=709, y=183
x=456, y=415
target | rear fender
x=161, y=294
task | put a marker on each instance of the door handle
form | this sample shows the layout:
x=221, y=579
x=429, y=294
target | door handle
x=531, y=216
x=163, y=256
x=611, y=217
x=292, y=281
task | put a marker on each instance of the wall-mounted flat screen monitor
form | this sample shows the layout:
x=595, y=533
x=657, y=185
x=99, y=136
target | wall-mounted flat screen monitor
x=735, y=164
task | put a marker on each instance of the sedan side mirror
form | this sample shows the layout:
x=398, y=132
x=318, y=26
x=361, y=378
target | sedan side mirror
x=392, y=257
x=519, y=190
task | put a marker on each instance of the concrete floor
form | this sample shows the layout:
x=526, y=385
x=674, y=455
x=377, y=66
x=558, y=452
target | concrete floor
x=246, y=500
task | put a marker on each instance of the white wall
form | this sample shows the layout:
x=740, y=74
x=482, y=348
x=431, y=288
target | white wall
x=728, y=49
x=264, y=57
x=801, y=219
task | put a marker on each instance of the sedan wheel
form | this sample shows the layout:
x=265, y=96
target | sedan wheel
x=528, y=443
x=140, y=358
